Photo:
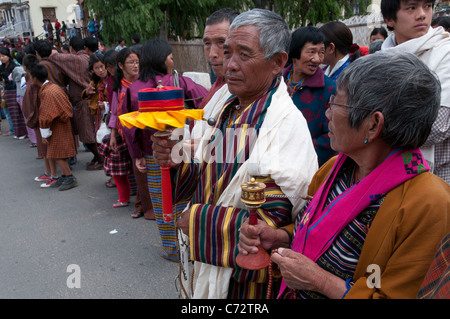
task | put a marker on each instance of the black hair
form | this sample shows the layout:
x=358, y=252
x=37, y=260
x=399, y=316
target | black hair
x=379, y=30
x=301, y=36
x=19, y=57
x=94, y=58
x=152, y=60
x=76, y=43
x=5, y=51
x=443, y=21
x=29, y=60
x=339, y=34
x=11, y=65
x=224, y=14
x=91, y=43
x=110, y=57
x=39, y=72
x=389, y=9
x=43, y=47
x=136, y=38
x=29, y=48
x=118, y=74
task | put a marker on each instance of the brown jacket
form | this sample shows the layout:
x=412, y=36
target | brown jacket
x=403, y=237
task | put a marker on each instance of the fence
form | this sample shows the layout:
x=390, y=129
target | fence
x=19, y=29
x=188, y=56
x=362, y=26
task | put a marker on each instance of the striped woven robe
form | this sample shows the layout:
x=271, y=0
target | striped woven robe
x=55, y=112
x=213, y=228
x=30, y=109
x=74, y=67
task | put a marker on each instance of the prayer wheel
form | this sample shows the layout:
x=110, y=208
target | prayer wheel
x=252, y=195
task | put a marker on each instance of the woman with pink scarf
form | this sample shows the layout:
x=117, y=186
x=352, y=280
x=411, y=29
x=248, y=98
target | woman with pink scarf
x=377, y=214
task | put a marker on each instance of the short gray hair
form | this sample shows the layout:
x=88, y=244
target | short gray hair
x=375, y=46
x=401, y=87
x=274, y=33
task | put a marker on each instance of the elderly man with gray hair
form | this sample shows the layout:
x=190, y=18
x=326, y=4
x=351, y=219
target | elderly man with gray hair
x=258, y=133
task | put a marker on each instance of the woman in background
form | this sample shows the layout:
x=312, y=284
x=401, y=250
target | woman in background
x=340, y=50
x=9, y=95
x=156, y=64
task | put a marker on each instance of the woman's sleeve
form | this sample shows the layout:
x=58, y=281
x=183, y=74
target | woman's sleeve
x=194, y=92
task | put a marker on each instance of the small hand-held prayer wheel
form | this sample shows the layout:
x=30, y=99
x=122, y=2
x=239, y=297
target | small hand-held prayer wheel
x=166, y=185
x=253, y=197
x=161, y=108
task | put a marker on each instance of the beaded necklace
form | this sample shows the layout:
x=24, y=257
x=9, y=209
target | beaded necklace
x=293, y=86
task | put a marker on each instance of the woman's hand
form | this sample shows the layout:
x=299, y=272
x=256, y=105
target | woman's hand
x=261, y=234
x=300, y=272
x=113, y=141
x=141, y=165
x=90, y=90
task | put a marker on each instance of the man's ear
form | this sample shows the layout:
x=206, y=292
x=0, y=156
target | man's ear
x=389, y=22
x=279, y=62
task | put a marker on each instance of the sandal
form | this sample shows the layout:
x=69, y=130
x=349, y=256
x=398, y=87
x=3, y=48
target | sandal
x=150, y=214
x=93, y=166
x=137, y=214
x=120, y=204
x=110, y=184
x=33, y=145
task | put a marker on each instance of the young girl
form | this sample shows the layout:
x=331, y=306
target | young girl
x=97, y=95
x=114, y=147
x=156, y=64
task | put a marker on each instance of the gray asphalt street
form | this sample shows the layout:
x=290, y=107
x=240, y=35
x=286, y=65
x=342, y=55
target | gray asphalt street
x=57, y=245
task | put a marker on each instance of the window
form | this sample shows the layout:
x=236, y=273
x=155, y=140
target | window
x=49, y=13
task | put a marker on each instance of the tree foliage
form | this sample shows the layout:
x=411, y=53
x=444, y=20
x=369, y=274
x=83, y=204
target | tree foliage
x=152, y=18
x=301, y=12
x=186, y=18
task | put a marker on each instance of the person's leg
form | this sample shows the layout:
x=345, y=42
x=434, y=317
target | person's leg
x=53, y=167
x=67, y=180
x=64, y=166
x=11, y=127
x=47, y=173
x=97, y=161
x=123, y=188
x=54, y=179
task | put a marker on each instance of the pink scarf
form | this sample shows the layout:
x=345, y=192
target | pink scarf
x=320, y=225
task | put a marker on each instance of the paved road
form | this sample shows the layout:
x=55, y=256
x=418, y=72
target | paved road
x=44, y=231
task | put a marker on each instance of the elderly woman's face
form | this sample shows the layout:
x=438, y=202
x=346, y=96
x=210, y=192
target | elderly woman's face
x=343, y=138
x=310, y=59
x=247, y=73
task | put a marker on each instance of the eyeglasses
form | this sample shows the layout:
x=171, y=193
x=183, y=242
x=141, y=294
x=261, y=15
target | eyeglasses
x=332, y=104
x=132, y=62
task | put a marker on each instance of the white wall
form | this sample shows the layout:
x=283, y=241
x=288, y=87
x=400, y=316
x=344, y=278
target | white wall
x=65, y=10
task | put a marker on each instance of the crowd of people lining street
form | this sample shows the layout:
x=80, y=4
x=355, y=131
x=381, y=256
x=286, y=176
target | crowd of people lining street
x=351, y=143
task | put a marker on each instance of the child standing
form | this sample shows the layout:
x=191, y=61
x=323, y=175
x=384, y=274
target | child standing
x=96, y=94
x=114, y=147
x=55, y=111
